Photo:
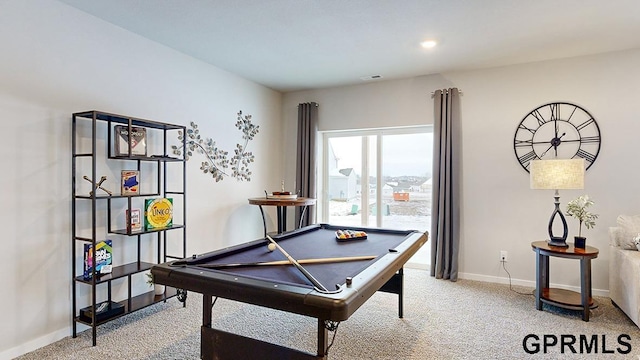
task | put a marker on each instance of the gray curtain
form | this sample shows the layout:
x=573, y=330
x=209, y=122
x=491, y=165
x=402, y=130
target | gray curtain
x=445, y=208
x=306, y=164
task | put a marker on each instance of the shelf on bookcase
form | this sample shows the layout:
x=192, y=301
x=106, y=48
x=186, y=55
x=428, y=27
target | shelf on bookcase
x=117, y=196
x=119, y=272
x=147, y=158
x=137, y=302
x=125, y=232
x=122, y=119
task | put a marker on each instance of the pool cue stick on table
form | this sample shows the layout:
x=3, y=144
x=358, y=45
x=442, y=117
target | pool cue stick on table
x=293, y=261
x=287, y=262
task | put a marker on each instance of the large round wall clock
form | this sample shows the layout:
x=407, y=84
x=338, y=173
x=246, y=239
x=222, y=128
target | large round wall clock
x=557, y=130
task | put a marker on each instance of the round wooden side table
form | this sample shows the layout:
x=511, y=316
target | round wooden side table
x=560, y=297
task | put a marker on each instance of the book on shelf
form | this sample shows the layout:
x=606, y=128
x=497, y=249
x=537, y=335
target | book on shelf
x=130, y=182
x=158, y=213
x=101, y=258
x=138, y=140
x=134, y=221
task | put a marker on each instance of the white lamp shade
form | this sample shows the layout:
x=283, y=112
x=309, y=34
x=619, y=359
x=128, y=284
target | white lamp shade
x=557, y=174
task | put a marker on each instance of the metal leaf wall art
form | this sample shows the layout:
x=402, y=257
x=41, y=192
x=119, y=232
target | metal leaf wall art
x=217, y=161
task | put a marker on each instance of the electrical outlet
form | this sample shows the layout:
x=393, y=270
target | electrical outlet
x=503, y=256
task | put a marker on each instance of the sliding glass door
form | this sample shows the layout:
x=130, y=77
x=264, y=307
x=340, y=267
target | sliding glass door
x=377, y=178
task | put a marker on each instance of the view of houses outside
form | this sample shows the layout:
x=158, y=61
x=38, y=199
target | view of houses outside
x=406, y=186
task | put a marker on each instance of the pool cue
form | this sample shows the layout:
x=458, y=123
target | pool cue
x=293, y=261
x=287, y=262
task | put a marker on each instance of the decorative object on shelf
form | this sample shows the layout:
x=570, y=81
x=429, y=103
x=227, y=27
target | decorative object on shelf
x=104, y=311
x=216, y=159
x=98, y=185
x=157, y=289
x=577, y=208
x=282, y=194
x=134, y=222
x=101, y=257
x=158, y=213
x=558, y=130
x=636, y=241
x=138, y=141
x=130, y=182
x=555, y=175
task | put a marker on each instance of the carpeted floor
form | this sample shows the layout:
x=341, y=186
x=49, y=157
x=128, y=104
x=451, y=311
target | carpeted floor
x=443, y=320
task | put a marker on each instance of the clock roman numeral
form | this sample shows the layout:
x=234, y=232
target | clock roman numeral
x=590, y=139
x=523, y=143
x=527, y=157
x=573, y=112
x=555, y=112
x=586, y=155
x=523, y=127
x=585, y=124
x=536, y=114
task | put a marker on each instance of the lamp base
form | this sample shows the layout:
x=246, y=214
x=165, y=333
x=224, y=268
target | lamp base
x=558, y=241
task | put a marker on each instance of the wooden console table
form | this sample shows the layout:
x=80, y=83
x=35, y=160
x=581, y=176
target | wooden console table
x=559, y=297
x=281, y=209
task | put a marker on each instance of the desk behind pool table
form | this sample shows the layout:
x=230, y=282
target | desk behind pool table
x=284, y=288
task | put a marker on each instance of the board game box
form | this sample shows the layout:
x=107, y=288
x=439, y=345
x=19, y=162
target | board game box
x=130, y=182
x=134, y=221
x=138, y=140
x=102, y=258
x=158, y=213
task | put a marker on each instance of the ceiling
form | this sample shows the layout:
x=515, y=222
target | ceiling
x=292, y=45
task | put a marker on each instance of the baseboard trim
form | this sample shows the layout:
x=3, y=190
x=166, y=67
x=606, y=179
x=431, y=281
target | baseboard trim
x=505, y=280
x=526, y=283
x=35, y=344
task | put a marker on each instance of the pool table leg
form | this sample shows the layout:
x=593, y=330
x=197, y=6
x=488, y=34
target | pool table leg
x=395, y=285
x=206, y=347
x=400, y=293
x=323, y=340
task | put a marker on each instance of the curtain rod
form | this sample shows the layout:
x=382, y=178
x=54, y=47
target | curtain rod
x=433, y=93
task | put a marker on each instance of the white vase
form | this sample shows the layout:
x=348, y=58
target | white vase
x=158, y=289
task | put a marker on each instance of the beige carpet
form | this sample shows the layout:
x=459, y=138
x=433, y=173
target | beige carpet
x=443, y=320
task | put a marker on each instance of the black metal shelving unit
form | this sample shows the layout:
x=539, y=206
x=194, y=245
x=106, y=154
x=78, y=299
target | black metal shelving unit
x=111, y=203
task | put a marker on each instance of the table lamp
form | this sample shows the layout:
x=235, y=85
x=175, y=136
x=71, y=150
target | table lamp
x=557, y=174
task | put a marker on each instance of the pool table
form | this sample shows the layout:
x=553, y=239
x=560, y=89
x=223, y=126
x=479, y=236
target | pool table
x=233, y=273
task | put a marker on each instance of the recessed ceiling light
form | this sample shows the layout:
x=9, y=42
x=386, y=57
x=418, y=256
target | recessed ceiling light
x=428, y=44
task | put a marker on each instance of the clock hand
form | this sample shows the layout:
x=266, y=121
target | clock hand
x=556, y=142
x=549, y=148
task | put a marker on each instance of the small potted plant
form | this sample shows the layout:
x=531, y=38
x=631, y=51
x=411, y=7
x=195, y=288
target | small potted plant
x=157, y=289
x=636, y=241
x=577, y=208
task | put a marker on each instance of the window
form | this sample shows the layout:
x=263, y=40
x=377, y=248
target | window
x=377, y=178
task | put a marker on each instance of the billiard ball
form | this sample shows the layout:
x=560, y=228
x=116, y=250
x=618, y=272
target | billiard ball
x=271, y=246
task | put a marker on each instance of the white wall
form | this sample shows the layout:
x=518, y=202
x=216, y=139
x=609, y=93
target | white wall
x=499, y=211
x=57, y=60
